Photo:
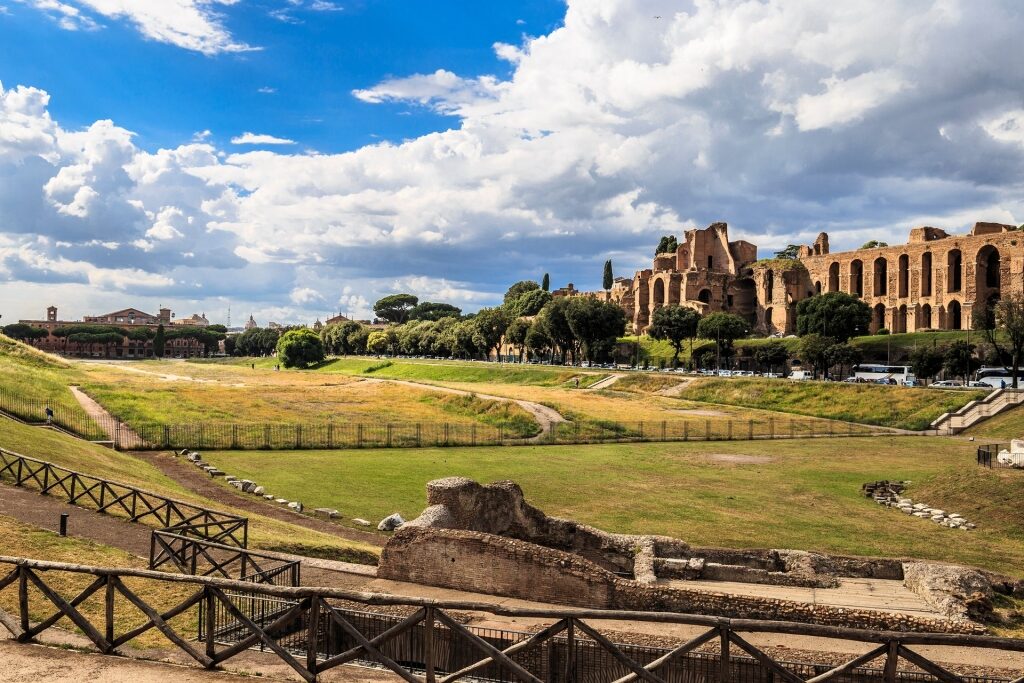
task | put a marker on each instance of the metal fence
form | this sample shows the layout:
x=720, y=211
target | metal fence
x=988, y=456
x=67, y=414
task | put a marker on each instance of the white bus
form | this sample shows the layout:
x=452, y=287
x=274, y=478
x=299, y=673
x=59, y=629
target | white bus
x=999, y=377
x=901, y=374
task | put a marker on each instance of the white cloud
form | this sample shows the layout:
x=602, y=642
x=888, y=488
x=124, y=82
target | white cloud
x=1007, y=127
x=266, y=90
x=260, y=139
x=325, y=6
x=304, y=296
x=190, y=24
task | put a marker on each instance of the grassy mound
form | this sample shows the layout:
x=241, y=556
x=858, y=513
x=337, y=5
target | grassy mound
x=516, y=422
x=902, y=407
x=1003, y=427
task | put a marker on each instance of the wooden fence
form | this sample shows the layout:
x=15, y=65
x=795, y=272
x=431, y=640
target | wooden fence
x=200, y=557
x=308, y=608
x=116, y=498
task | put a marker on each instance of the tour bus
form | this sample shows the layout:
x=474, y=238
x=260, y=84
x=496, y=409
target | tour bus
x=999, y=377
x=871, y=372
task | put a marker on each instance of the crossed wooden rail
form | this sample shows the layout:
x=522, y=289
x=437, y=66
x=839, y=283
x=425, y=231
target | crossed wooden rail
x=200, y=557
x=307, y=605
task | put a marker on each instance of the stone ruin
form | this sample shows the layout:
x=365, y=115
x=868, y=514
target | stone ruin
x=489, y=539
x=890, y=494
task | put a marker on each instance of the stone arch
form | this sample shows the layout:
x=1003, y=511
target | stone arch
x=856, y=277
x=704, y=296
x=899, y=323
x=987, y=278
x=769, y=286
x=833, y=277
x=877, y=318
x=659, y=292
x=817, y=287
x=903, y=279
x=925, y=320
x=769, y=322
x=954, y=316
x=744, y=300
x=954, y=272
x=926, y=273
x=880, y=276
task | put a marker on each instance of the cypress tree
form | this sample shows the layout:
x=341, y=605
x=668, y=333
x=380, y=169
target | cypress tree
x=158, y=342
x=545, y=284
x=608, y=278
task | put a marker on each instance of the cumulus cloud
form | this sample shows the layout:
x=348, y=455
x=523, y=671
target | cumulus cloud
x=783, y=118
x=190, y=24
x=260, y=139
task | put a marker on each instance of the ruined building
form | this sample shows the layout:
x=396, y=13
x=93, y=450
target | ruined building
x=935, y=281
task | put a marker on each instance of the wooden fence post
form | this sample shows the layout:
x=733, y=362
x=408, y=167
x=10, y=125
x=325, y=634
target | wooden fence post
x=428, y=644
x=750, y=433
x=723, y=654
x=570, y=651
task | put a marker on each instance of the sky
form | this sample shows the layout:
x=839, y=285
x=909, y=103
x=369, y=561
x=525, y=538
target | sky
x=292, y=159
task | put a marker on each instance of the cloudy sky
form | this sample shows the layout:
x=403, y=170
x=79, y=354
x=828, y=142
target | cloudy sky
x=293, y=158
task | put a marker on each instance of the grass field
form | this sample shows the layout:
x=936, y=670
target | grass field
x=1003, y=427
x=464, y=371
x=903, y=407
x=82, y=456
x=167, y=392
x=21, y=540
x=791, y=494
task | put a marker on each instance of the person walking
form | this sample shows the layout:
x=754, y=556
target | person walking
x=49, y=415
x=577, y=382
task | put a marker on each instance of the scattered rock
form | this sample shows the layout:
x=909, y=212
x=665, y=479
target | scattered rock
x=267, y=496
x=391, y=522
x=326, y=512
x=295, y=505
x=361, y=522
x=281, y=501
x=258, y=491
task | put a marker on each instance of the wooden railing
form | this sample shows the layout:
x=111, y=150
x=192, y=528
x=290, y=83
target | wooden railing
x=200, y=557
x=112, y=497
x=310, y=607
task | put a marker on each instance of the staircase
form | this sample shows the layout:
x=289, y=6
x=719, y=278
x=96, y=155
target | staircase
x=976, y=411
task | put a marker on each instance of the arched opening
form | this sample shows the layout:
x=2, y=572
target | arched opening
x=900, y=322
x=833, y=277
x=926, y=273
x=954, y=272
x=769, y=286
x=877, y=318
x=987, y=268
x=659, y=293
x=988, y=313
x=881, y=277
x=769, y=323
x=903, y=281
x=953, y=316
x=744, y=300
x=856, y=277
x=704, y=296
x=925, y=321
x=817, y=287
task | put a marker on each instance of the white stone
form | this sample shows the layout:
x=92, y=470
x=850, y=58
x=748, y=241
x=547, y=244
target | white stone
x=361, y=522
x=391, y=522
x=282, y=501
x=258, y=491
x=941, y=513
x=295, y=505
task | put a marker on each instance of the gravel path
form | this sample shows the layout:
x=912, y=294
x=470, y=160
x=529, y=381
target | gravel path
x=121, y=434
x=604, y=383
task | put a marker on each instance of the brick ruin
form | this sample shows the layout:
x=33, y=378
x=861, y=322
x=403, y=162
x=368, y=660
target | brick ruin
x=489, y=539
x=934, y=281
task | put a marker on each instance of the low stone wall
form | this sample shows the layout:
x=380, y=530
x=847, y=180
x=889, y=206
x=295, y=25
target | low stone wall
x=480, y=562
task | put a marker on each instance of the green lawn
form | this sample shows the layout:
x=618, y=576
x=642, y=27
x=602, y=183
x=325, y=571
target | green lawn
x=888, y=406
x=806, y=496
x=463, y=371
x=1003, y=427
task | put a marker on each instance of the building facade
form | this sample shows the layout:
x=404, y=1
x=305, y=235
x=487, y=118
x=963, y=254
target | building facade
x=934, y=281
x=128, y=319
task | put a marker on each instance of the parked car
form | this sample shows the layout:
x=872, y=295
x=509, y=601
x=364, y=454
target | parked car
x=980, y=385
x=947, y=384
x=799, y=375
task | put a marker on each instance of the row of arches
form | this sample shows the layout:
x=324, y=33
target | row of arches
x=949, y=317
x=987, y=268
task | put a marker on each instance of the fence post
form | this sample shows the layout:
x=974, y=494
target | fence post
x=428, y=644
x=686, y=431
x=570, y=651
x=723, y=654
x=419, y=434
x=23, y=597
x=771, y=428
x=359, y=435
x=108, y=612
x=707, y=430
x=664, y=431
x=330, y=435
x=234, y=436
x=389, y=435
x=641, y=430
x=211, y=622
x=298, y=436
x=791, y=428
x=266, y=436
x=750, y=434
x=312, y=633
x=472, y=432
x=729, y=430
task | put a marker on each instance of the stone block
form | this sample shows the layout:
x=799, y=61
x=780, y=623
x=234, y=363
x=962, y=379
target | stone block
x=329, y=513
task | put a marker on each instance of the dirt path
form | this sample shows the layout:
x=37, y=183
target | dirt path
x=166, y=376
x=121, y=434
x=202, y=484
x=604, y=383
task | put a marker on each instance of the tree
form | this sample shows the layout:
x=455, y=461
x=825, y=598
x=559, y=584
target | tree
x=24, y=331
x=595, y=324
x=959, y=359
x=395, y=308
x=516, y=333
x=159, y=340
x=338, y=338
x=528, y=304
x=608, y=280
x=844, y=355
x=555, y=326
x=258, y=341
x=536, y=340
x=1008, y=318
x=814, y=349
x=377, y=342
x=229, y=345
x=926, y=361
x=675, y=324
x=545, y=283
x=837, y=314
x=491, y=323
x=789, y=253
x=429, y=310
x=873, y=244
x=771, y=355
x=668, y=243
x=520, y=288
x=300, y=348
x=724, y=329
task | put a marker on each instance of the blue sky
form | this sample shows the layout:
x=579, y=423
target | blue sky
x=294, y=158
